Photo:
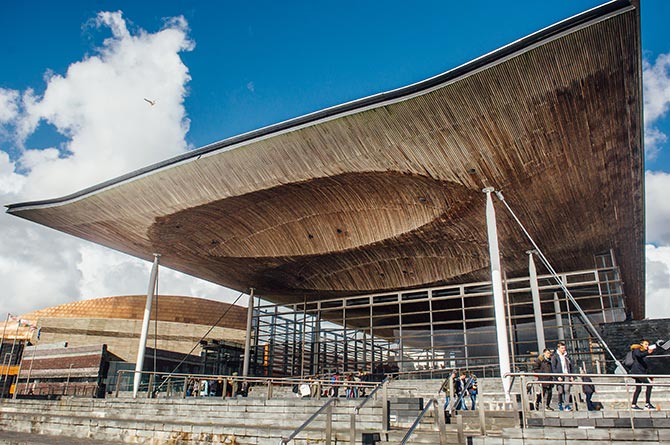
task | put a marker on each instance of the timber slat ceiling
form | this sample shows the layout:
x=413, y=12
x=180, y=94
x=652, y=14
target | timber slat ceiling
x=389, y=196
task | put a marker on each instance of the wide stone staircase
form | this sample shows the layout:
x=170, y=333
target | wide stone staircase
x=257, y=420
x=184, y=421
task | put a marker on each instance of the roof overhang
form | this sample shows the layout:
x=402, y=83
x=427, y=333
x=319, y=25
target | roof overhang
x=385, y=192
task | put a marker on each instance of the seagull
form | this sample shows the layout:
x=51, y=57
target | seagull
x=151, y=102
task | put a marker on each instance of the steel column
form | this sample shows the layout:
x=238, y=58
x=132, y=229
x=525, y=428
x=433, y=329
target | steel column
x=498, y=298
x=247, y=337
x=139, y=364
x=559, y=318
x=537, y=307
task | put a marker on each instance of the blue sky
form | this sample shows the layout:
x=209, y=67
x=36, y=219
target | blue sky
x=238, y=66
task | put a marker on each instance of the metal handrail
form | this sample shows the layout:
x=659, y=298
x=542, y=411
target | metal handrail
x=298, y=430
x=439, y=420
x=358, y=407
x=407, y=375
x=603, y=376
x=550, y=379
x=251, y=380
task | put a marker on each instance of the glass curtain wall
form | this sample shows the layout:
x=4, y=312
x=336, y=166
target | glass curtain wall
x=434, y=329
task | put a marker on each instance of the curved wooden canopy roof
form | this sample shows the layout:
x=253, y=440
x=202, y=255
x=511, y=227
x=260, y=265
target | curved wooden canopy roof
x=384, y=193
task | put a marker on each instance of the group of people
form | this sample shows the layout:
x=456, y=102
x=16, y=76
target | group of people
x=559, y=363
x=215, y=387
x=347, y=385
x=460, y=387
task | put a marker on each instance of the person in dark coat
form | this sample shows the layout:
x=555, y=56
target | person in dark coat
x=588, y=391
x=542, y=365
x=640, y=352
x=461, y=391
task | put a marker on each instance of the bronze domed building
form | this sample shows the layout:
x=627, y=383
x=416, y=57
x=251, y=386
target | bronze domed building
x=78, y=347
x=117, y=321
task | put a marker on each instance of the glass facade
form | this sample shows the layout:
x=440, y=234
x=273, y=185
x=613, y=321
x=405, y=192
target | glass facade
x=436, y=328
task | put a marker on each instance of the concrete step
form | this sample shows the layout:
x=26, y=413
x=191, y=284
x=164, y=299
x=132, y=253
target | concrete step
x=190, y=423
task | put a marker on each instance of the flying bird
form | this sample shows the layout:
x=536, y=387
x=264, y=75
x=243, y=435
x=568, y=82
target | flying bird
x=151, y=102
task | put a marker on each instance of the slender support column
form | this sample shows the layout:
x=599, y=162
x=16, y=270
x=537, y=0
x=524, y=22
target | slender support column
x=559, y=318
x=247, y=338
x=537, y=308
x=139, y=364
x=498, y=299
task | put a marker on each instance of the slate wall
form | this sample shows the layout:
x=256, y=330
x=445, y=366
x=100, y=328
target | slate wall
x=620, y=336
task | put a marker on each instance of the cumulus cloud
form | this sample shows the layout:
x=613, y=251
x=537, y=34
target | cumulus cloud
x=8, y=105
x=98, y=105
x=658, y=281
x=657, y=185
x=656, y=101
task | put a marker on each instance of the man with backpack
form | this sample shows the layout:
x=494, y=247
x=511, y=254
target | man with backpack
x=639, y=353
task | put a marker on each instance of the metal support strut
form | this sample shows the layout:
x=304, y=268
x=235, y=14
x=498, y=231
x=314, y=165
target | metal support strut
x=572, y=300
x=139, y=364
x=498, y=299
x=247, y=337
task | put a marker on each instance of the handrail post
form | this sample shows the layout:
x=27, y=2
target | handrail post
x=329, y=424
x=630, y=406
x=385, y=408
x=482, y=413
x=352, y=429
x=451, y=394
x=441, y=423
x=118, y=380
x=150, y=385
x=269, y=396
x=459, y=429
x=185, y=387
x=524, y=400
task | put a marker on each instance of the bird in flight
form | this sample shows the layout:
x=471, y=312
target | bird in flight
x=151, y=102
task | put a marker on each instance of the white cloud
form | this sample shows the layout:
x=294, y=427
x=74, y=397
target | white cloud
x=10, y=183
x=98, y=104
x=656, y=86
x=658, y=281
x=657, y=185
x=8, y=105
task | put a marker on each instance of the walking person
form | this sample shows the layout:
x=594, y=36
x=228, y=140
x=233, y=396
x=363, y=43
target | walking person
x=542, y=365
x=588, y=391
x=448, y=385
x=560, y=364
x=640, y=352
x=473, y=390
x=461, y=390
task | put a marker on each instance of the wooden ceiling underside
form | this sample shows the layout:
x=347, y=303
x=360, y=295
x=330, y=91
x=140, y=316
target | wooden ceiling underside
x=389, y=197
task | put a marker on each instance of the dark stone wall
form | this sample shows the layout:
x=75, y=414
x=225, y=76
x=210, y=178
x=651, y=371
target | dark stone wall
x=620, y=336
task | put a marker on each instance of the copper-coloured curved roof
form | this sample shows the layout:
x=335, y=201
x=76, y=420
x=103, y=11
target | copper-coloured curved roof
x=179, y=309
x=385, y=193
